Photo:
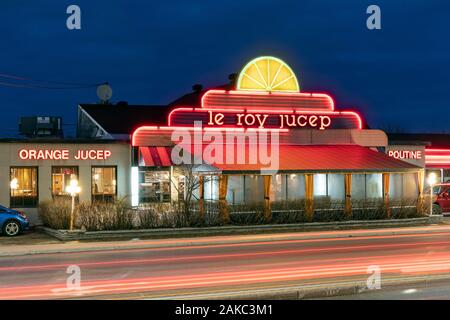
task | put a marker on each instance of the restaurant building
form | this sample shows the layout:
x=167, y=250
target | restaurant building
x=257, y=139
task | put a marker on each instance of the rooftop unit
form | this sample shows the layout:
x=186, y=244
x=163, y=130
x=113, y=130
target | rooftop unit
x=41, y=127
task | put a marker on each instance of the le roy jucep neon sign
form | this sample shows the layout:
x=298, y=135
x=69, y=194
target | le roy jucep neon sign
x=259, y=119
x=63, y=154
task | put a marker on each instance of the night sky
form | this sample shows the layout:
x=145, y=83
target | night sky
x=152, y=52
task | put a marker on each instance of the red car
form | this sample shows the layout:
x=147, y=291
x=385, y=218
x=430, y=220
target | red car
x=441, y=203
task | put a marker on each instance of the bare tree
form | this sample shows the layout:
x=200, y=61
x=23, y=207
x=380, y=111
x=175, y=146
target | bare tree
x=192, y=181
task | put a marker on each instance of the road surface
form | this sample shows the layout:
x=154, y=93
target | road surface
x=228, y=265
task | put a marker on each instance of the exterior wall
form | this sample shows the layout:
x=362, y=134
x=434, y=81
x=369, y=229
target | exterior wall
x=365, y=137
x=9, y=156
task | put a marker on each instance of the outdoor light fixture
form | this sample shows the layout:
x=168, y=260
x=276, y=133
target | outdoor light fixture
x=431, y=181
x=73, y=189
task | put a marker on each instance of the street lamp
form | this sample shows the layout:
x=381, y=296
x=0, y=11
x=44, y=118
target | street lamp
x=431, y=181
x=73, y=189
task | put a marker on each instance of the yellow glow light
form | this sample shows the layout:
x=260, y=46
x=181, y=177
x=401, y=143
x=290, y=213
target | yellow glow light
x=267, y=74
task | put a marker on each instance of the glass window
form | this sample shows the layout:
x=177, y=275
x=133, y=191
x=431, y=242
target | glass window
x=211, y=188
x=395, y=186
x=254, y=189
x=358, y=186
x=104, y=182
x=336, y=186
x=235, y=191
x=374, y=186
x=410, y=186
x=61, y=177
x=278, y=188
x=320, y=184
x=154, y=186
x=295, y=186
x=24, y=187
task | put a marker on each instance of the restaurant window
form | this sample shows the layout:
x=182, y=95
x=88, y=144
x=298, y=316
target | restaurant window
x=320, y=185
x=61, y=177
x=235, y=190
x=336, y=186
x=104, y=183
x=358, y=186
x=154, y=186
x=410, y=187
x=374, y=186
x=395, y=186
x=211, y=188
x=24, y=187
x=295, y=186
x=278, y=188
x=254, y=189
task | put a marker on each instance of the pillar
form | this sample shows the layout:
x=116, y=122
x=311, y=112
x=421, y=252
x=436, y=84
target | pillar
x=386, y=195
x=420, y=183
x=267, y=209
x=309, y=196
x=223, y=206
x=201, y=201
x=348, y=195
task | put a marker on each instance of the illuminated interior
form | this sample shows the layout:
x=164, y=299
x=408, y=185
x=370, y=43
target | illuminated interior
x=104, y=183
x=23, y=186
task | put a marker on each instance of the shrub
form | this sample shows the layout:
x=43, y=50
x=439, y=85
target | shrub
x=96, y=216
x=117, y=215
x=55, y=214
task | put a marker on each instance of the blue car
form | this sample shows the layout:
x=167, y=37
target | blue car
x=12, y=222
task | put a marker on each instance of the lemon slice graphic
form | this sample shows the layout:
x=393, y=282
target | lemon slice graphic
x=267, y=74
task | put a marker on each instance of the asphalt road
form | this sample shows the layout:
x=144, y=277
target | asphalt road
x=222, y=268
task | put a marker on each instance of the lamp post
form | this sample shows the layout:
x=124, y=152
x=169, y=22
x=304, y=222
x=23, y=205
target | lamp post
x=431, y=181
x=73, y=189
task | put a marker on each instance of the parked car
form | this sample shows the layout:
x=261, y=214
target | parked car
x=441, y=202
x=12, y=222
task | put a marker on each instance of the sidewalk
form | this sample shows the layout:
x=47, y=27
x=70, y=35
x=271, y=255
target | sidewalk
x=54, y=246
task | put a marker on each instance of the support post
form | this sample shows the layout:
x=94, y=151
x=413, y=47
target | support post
x=420, y=198
x=309, y=196
x=387, y=207
x=223, y=206
x=201, y=201
x=267, y=209
x=348, y=195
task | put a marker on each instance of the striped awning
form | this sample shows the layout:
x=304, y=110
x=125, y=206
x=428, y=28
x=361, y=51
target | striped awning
x=155, y=156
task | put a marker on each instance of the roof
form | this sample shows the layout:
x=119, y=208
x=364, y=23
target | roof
x=295, y=158
x=124, y=119
x=435, y=140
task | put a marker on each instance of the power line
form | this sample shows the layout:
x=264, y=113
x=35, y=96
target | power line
x=31, y=86
x=48, y=83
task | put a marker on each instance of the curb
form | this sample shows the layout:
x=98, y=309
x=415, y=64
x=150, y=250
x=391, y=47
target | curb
x=315, y=292
x=65, y=235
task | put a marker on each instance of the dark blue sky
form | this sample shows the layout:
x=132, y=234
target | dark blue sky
x=152, y=52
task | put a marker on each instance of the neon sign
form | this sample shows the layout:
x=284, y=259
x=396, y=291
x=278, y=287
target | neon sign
x=266, y=97
x=63, y=154
x=260, y=120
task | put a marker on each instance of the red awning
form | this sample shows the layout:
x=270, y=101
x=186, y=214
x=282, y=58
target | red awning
x=292, y=158
x=155, y=156
x=288, y=158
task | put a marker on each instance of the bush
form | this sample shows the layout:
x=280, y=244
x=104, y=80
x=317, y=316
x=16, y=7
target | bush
x=55, y=214
x=97, y=216
x=117, y=215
